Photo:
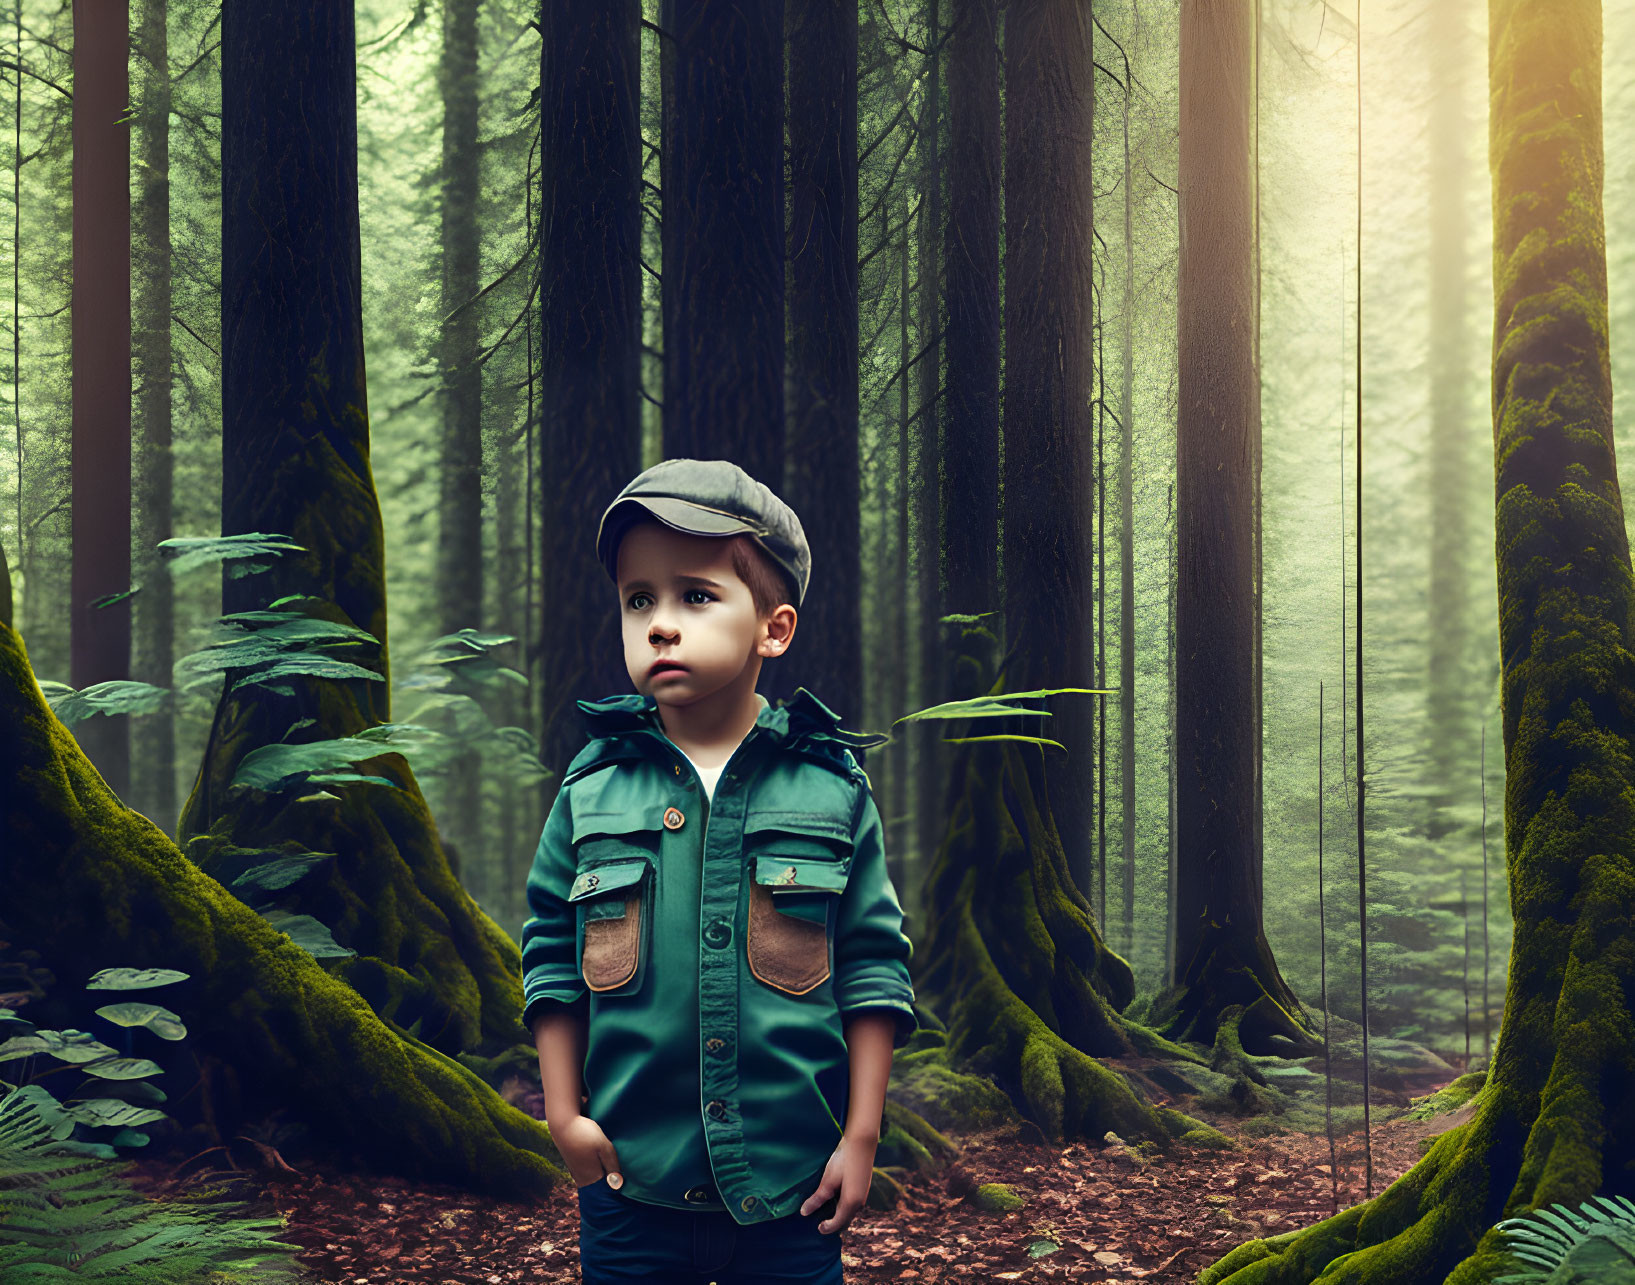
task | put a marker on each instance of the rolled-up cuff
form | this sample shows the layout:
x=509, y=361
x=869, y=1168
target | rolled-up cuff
x=880, y=992
x=543, y=996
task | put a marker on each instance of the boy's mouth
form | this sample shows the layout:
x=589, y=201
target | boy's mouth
x=665, y=667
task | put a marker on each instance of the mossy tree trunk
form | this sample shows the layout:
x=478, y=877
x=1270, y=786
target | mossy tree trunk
x=1013, y=961
x=1222, y=956
x=91, y=884
x=295, y=460
x=1556, y=1122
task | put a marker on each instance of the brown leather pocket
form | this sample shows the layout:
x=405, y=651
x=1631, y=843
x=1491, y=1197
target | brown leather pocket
x=613, y=894
x=792, y=906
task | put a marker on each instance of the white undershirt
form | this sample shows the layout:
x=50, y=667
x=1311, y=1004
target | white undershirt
x=708, y=775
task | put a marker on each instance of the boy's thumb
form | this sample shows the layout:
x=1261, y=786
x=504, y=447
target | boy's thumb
x=610, y=1161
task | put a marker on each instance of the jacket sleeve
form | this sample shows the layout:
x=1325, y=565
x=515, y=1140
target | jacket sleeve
x=871, y=950
x=550, y=973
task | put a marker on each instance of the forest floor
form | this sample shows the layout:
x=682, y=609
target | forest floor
x=1100, y=1214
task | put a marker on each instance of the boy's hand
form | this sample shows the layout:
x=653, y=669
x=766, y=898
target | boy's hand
x=850, y=1171
x=588, y=1152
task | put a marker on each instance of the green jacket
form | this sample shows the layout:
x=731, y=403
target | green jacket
x=718, y=946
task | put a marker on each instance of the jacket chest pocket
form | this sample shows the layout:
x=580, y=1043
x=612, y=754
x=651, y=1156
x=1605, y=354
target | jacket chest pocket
x=613, y=890
x=798, y=865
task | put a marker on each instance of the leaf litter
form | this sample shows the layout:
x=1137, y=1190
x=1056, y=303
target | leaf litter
x=1102, y=1213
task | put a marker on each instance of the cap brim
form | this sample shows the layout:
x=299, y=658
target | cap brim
x=680, y=515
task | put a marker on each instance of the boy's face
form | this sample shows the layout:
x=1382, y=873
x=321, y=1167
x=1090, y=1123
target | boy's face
x=680, y=599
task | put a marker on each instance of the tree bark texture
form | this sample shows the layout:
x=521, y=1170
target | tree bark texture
x=1222, y=956
x=590, y=349
x=295, y=461
x=970, y=516
x=824, y=486
x=930, y=761
x=723, y=284
x=1049, y=474
x=1556, y=1120
x=100, y=639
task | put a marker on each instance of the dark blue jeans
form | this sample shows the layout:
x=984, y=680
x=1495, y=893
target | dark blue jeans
x=623, y=1240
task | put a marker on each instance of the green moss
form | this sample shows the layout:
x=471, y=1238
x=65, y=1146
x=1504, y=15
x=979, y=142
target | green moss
x=1449, y=1098
x=91, y=884
x=1207, y=1137
x=1013, y=962
x=996, y=1198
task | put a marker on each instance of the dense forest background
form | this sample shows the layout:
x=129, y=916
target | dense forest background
x=449, y=168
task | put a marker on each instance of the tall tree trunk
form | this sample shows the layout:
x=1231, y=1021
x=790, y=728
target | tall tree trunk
x=822, y=479
x=1556, y=1121
x=1222, y=956
x=1172, y=756
x=460, y=478
x=930, y=763
x=895, y=605
x=154, y=786
x=295, y=460
x=1257, y=652
x=100, y=640
x=1049, y=487
x=723, y=281
x=1126, y=554
x=1034, y=1017
x=590, y=348
x=1447, y=628
x=971, y=448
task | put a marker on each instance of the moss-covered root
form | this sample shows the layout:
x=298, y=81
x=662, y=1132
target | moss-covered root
x=427, y=956
x=93, y=885
x=1014, y=963
x=1555, y=1123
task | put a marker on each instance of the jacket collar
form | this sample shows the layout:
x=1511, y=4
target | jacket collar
x=802, y=717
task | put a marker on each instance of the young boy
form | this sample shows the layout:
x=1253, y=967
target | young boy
x=715, y=972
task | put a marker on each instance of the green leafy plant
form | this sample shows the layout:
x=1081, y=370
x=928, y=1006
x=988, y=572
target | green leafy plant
x=261, y=883
x=458, y=673
x=68, y=1218
x=66, y=1211
x=119, y=696
x=246, y=554
x=264, y=648
x=1000, y=707
x=1594, y=1245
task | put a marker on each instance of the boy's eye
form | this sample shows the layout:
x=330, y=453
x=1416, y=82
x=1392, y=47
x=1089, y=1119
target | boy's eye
x=636, y=599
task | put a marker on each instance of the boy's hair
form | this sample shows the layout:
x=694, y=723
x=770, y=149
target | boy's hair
x=769, y=585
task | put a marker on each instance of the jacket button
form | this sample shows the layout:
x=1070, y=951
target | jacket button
x=698, y=1196
x=747, y=1203
x=717, y=933
x=717, y=1109
x=715, y=1044
x=673, y=818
